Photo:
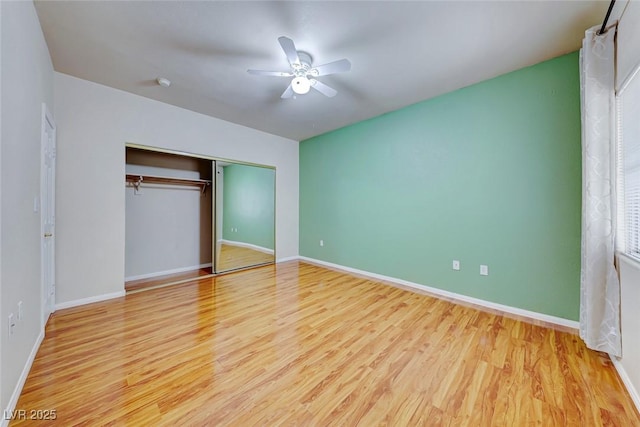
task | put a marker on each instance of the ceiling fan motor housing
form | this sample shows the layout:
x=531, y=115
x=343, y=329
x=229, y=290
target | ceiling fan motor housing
x=303, y=68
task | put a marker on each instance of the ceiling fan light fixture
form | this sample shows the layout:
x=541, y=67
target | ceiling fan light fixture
x=301, y=85
x=303, y=73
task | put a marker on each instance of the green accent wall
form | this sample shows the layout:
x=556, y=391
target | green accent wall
x=249, y=205
x=488, y=174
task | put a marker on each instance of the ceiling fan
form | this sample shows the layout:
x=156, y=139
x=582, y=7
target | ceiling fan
x=303, y=72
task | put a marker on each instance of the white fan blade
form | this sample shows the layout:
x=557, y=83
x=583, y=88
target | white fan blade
x=331, y=68
x=270, y=73
x=288, y=93
x=323, y=88
x=289, y=50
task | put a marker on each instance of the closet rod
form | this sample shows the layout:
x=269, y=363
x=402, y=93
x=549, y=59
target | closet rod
x=153, y=179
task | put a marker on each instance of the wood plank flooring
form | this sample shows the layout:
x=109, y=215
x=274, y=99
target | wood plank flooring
x=167, y=279
x=294, y=344
x=231, y=257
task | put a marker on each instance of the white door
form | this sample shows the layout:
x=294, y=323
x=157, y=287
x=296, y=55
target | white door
x=47, y=215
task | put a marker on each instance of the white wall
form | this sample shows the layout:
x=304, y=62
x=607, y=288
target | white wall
x=2, y=404
x=94, y=123
x=628, y=42
x=630, y=323
x=27, y=82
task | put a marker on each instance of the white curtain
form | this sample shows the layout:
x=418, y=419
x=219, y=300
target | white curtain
x=599, y=285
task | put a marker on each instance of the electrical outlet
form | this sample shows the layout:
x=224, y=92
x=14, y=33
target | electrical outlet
x=20, y=312
x=11, y=324
x=321, y=242
x=456, y=264
x=484, y=270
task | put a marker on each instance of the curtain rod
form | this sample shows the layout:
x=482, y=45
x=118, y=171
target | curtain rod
x=606, y=18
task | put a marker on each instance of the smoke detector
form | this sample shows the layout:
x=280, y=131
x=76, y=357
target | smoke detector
x=163, y=82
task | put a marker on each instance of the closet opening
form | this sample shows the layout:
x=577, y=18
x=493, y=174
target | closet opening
x=190, y=217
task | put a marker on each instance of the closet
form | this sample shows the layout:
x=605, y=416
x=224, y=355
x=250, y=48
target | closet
x=190, y=217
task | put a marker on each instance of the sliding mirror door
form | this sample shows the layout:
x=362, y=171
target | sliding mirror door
x=245, y=216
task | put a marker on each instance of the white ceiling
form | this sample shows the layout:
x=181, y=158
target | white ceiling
x=401, y=52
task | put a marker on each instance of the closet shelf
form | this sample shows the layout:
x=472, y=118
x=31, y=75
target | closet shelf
x=136, y=180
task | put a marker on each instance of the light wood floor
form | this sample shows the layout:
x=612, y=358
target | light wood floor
x=231, y=257
x=295, y=344
x=153, y=282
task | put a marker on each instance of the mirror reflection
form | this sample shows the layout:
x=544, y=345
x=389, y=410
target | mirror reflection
x=245, y=216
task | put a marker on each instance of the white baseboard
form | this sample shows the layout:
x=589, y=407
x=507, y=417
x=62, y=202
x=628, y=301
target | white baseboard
x=247, y=245
x=165, y=272
x=89, y=300
x=453, y=296
x=11, y=405
x=633, y=392
x=289, y=258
